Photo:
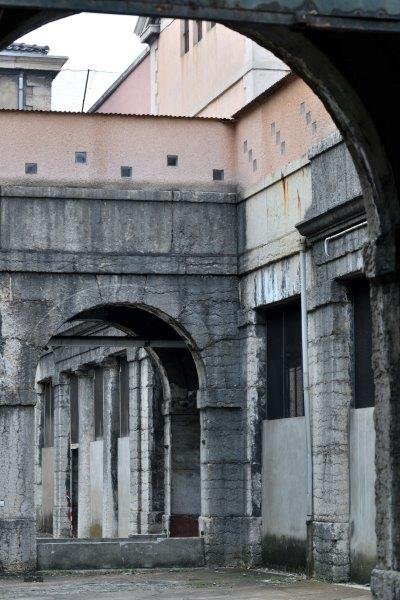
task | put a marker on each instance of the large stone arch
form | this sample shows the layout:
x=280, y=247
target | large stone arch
x=333, y=55
x=34, y=309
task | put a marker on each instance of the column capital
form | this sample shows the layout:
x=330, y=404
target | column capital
x=85, y=372
x=381, y=257
x=132, y=354
x=62, y=378
x=110, y=362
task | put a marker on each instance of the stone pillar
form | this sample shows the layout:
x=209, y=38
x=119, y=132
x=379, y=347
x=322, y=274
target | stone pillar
x=254, y=375
x=86, y=436
x=329, y=322
x=147, y=444
x=110, y=447
x=134, y=442
x=62, y=425
x=18, y=361
x=382, y=267
x=38, y=453
x=222, y=523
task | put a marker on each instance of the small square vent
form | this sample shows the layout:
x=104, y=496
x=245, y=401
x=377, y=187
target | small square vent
x=172, y=160
x=80, y=158
x=31, y=168
x=126, y=172
x=218, y=175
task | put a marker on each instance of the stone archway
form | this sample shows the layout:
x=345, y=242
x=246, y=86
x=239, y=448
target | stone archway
x=194, y=390
x=334, y=64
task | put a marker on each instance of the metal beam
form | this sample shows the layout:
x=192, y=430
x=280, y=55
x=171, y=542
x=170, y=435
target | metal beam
x=120, y=341
x=351, y=13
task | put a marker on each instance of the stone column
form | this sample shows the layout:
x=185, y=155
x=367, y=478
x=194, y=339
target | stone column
x=134, y=442
x=38, y=453
x=17, y=437
x=86, y=436
x=385, y=307
x=146, y=444
x=62, y=425
x=110, y=447
x=329, y=320
x=223, y=523
x=253, y=330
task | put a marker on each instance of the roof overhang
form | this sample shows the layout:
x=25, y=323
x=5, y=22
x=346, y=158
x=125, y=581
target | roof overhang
x=50, y=64
x=148, y=29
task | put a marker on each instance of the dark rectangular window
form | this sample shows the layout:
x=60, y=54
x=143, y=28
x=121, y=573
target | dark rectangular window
x=124, y=397
x=73, y=401
x=31, y=168
x=185, y=37
x=48, y=415
x=363, y=377
x=197, y=31
x=284, y=363
x=81, y=158
x=98, y=403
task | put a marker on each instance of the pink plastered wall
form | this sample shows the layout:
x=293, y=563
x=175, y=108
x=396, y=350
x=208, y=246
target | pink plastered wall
x=286, y=115
x=112, y=141
x=132, y=96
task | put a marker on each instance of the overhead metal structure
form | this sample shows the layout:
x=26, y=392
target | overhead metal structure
x=19, y=16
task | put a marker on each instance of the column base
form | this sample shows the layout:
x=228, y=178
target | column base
x=231, y=541
x=331, y=553
x=18, y=545
x=385, y=585
x=151, y=522
x=61, y=524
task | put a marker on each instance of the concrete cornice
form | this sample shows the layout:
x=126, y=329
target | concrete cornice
x=331, y=221
x=53, y=64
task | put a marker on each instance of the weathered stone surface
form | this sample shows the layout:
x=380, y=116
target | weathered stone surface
x=120, y=554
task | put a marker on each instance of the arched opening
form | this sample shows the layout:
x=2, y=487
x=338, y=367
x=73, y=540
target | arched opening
x=372, y=141
x=117, y=428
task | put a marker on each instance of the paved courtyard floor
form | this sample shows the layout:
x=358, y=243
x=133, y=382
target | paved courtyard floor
x=178, y=584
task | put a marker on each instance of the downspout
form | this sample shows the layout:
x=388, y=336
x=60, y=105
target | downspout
x=307, y=407
x=21, y=91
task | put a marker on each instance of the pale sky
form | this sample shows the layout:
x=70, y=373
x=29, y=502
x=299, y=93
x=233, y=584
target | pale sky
x=104, y=43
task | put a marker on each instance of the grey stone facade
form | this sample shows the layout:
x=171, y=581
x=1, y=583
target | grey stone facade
x=214, y=296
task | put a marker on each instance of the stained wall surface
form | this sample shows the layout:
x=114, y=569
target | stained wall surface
x=362, y=501
x=284, y=500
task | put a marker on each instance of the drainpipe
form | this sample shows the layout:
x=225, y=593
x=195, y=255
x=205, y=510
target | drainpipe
x=21, y=91
x=307, y=408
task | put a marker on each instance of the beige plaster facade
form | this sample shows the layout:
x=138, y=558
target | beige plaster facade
x=213, y=76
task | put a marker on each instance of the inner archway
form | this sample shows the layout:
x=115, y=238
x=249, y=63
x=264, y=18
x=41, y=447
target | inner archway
x=118, y=430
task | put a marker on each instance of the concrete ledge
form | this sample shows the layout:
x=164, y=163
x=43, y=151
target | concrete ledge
x=143, y=552
x=178, y=193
